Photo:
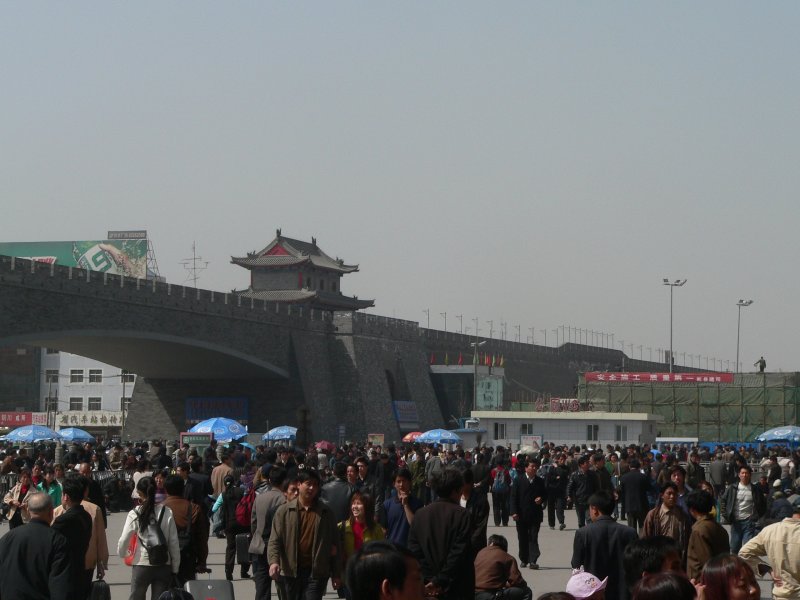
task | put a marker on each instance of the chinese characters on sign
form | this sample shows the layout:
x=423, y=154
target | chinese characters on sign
x=659, y=377
x=558, y=405
x=89, y=419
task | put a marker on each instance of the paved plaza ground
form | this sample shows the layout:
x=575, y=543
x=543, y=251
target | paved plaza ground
x=554, y=565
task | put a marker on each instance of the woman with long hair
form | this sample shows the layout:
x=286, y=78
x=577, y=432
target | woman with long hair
x=728, y=577
x=50, y=485
x=144, y=574
x=359, y=528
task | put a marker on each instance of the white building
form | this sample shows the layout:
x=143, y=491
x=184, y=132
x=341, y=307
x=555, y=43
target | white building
x=87, y=393
x=593, y=428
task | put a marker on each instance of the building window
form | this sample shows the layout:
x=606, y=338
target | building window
x=95, y=403
x=95, y=376
x=322, y=284
x=126, y=377
x=51, y=376
x=621, y=433
x=51, y=403
x=526, y=429
x=51, y=351
x=309, y=283
x=499, y=431
x=76, y=403
x=76, y=376
x=125, y=403
x=592, y=432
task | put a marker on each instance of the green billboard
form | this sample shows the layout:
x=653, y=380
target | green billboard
x=120, y=257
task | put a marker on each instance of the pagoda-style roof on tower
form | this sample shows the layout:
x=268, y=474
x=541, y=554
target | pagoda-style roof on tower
x=285, y=252
x=314, y=298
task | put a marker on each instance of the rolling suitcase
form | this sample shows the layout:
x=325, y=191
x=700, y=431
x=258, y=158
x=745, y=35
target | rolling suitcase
x=210, y=589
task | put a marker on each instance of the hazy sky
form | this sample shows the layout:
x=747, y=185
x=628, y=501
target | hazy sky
x=541, y=164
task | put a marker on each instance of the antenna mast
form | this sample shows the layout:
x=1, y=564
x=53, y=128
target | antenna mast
x=194, y=265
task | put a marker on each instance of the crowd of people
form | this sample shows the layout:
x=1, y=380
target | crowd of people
x=404, y=522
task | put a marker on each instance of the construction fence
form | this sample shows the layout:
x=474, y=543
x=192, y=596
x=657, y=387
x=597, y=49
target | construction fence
x=737, y=411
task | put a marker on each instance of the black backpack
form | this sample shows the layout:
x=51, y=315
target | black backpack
x=153, y=540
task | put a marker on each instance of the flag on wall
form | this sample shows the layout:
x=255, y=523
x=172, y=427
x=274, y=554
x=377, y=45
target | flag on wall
x=460, y=359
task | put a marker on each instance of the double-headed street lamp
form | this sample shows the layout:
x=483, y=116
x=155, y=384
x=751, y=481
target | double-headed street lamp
x=672, y=285
x=740, y=304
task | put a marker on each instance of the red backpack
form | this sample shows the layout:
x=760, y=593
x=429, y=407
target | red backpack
x=245, y=508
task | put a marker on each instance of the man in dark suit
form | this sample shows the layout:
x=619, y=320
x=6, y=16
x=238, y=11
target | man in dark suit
x=440, y=540
x=599, y=546
x=33, y=558
x=528, y=496
x=75, y=524
x=633, y=487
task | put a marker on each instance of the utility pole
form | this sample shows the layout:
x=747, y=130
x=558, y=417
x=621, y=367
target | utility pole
x=194, y=265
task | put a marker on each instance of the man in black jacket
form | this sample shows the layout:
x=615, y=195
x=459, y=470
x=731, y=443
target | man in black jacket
x=34, y=559
x=556, y=484
x=75, y=524
x=528, y=495
x=336, y=493
x=633, y=488
x=599, y=546
x=742, y=505
x=440, y=539
x=582, y=484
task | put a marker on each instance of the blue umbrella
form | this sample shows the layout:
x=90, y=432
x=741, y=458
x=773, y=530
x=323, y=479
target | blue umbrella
x=284, y=432
x=787, y=433
x=32, y=433
x=224, y=430
x=73, y=434
x=439, y=436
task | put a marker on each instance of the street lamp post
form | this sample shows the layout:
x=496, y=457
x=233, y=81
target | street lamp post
x=427, y=312
x=444, y=314
x=740, y=304
x=672, y=285
x=124, y=377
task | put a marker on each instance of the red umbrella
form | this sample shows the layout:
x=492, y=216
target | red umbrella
x=411, y=437
x=325, y=446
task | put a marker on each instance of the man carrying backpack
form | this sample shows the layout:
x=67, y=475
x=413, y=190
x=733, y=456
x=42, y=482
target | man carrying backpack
x=501, y=489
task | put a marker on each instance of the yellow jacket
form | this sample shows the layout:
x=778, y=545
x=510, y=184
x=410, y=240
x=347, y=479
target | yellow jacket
x=372, y=534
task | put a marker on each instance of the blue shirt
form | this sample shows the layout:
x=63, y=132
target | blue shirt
x=397, y=526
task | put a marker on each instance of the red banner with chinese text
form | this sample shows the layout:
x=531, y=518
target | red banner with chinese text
x=15, y=419
x=659, y=377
